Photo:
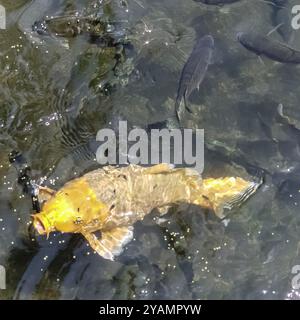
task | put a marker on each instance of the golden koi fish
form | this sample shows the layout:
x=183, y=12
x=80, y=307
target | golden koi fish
x=112, y=199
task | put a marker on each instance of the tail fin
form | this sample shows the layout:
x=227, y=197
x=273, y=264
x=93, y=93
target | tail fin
x=181, y=106
x=228, y=193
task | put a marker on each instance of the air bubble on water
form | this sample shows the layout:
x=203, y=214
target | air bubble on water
x=293, y=293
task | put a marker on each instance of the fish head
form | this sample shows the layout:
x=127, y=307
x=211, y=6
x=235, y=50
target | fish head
x=70, y=209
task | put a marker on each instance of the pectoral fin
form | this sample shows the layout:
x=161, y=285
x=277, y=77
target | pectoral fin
x=111, y=243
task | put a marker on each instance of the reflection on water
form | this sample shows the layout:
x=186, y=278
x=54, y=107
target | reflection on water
x=56, y=93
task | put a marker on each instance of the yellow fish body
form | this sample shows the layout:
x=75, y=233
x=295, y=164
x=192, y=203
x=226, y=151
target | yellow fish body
x=112, y=199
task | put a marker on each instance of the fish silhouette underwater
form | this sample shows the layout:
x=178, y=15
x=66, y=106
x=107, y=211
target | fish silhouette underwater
x=193, y=72
x=112, y=199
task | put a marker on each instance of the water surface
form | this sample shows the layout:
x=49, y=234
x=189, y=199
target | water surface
x=52, y=105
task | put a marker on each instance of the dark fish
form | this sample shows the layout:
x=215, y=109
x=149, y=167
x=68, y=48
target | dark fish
x=194, y=70
x=263, y=45
x=217, y=2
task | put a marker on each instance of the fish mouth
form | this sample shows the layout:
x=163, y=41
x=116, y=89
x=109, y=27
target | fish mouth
x=39, y=225
x=40, y=27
